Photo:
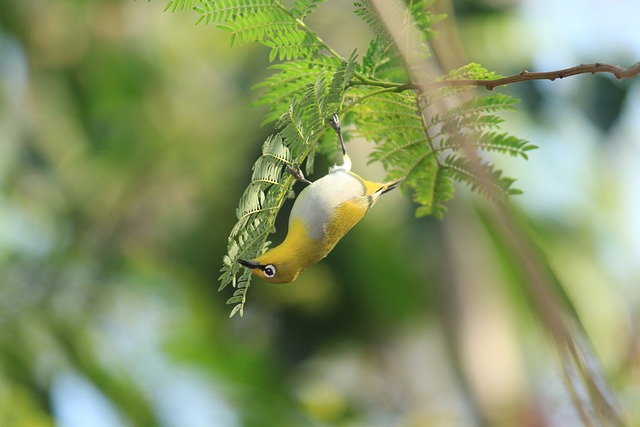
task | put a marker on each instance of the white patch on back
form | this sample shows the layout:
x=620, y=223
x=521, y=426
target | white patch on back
x=345, y=166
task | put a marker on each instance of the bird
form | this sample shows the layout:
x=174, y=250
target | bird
x=321, y=215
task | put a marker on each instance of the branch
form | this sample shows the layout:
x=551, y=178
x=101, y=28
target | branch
x=618, y=71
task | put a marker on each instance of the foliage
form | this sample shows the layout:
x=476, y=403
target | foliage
x=264, y=21
x=430, y=153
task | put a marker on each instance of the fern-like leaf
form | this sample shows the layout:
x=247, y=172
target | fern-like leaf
x=475, y=114
x=174, y=5
x=424, y=19
x=433, y=153
x=435, y=186
x=393, y=122
x=290, y=81
x=366, y=11
x=481, y=177
x=226, y=11
x=267, y=22
x=505, y=144
x=378, y=54
x=303, y=8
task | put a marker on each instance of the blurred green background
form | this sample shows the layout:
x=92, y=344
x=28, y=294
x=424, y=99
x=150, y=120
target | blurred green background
x=126, y=140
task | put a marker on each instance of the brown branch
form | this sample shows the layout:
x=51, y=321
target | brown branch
x=618, y=71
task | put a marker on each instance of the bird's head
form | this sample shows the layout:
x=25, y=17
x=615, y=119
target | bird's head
x=272, y=268
x=285, y=262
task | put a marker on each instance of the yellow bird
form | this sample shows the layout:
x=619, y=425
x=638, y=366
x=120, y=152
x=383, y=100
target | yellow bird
x=321, y=215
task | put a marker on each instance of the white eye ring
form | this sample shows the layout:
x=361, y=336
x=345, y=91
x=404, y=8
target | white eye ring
x=269, y=271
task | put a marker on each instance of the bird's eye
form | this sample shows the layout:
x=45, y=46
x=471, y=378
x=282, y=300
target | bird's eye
x=269, y=271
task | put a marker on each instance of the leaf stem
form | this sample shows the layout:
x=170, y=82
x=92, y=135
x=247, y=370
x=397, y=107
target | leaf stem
x=384, y=89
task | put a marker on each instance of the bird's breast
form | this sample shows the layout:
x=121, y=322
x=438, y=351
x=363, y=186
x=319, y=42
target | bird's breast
x=317, y=205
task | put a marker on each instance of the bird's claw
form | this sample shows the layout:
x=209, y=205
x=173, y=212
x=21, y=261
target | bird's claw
x=296, y=172
x=334, y=122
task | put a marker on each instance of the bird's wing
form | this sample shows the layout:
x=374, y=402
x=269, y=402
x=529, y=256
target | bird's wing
x=364, y=202
x=374, y=190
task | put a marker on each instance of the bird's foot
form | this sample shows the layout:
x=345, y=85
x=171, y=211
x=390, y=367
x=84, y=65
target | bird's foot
x=334, y=122
x=296, y=172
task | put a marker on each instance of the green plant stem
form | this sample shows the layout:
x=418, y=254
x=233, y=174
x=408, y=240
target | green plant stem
x=390, y=89
x=309, y=31
x=425, y=126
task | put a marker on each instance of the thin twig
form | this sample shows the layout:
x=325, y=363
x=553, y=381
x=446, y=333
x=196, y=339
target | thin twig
x=523, y=76
x=618, y=71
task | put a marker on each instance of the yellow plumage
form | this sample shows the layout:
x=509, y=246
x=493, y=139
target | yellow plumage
x=321, y=215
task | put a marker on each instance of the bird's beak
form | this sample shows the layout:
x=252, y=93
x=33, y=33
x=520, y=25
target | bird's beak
x=249, y=264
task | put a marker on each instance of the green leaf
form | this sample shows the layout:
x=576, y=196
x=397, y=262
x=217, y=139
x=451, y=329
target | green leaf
x=268, y=22
x=366, y=11
x=290, y=80
x=505, y=143
x=482, y=177
x=181, y=4
x=378, y=54
x=238, y=308
x=303, y=8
